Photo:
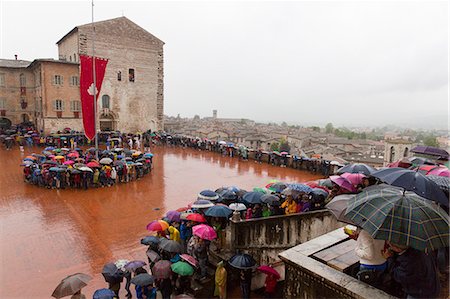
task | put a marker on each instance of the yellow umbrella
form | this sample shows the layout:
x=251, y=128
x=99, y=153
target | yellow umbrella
x=59, y=157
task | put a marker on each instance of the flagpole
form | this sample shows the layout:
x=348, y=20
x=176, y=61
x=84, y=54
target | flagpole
x=95, y=83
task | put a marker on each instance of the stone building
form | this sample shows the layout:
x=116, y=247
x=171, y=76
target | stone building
x=46, y=91
x=396, y=149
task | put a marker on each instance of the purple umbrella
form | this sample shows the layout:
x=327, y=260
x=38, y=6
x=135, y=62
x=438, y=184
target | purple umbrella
x=343, y=183
x=173, y=216
x=432, y=151
x=133, y=265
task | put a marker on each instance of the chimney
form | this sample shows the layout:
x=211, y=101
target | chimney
x=15, y=56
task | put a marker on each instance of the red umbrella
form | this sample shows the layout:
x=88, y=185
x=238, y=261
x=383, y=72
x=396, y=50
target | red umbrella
x=403, y=163
x=190, y=259
x=161, y=269
x=314, y=184
x=204, y=231
x=196, y=217
x=266, y=269
x=343, y=183
x=93, y=164
x=73, y=155
x=440, y=171
x=158, y=226
x=354, y=178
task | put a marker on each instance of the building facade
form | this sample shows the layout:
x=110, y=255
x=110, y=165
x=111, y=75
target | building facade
x=46, y=91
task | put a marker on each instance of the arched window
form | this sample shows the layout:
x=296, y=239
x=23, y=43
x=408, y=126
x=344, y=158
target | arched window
x=105, y=101
x=23, y=81
x=406, y=152
x=391, y=154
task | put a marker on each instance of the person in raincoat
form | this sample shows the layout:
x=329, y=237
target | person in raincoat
x=174, y=234
x=270, y=286
x=96, y=177
x=289, y=205
x=221, y=281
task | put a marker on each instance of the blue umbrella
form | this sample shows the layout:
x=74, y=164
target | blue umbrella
x=242, y=261
x=28, y=159
x=300, y=187
x=56, y=169
x=319, y=191
x=119, y=157
x=104, y=294
x=228, y=195
x=208, y=195
x=271, y=199
x=202, y=204
x=49, y=148
x=133, y=265
x=413, y=181
x=27, y=163
x=219, y=211
x=252, y=197
x=150, y=240
x=148, y=155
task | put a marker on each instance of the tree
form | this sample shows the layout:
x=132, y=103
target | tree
x=284, y=124
x=431, y=140
x=315, y=128
x=284, y=145
x=275, y=146
x=329, y=128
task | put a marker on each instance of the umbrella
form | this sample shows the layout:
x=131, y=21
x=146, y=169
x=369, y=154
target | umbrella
x=162, y=269
x=49, y=148
x=429, y=150
x=440, y=171
x=319, y=191
x=325, y=183
x=204, y=231
x=222, y=142
x=202, y=204
x=196, y=217
x=412, y=181
x=133, y=265
x=173, y=216
x=143, y=279
x=182, y=268
x=50, y=162
x=104, y=294
x=219, y=211
x=27, y=163
x=252, y=197
x=148, y=155
x=228, y=195
x=94, y=164
x=208, y=195
x=65, y=149
x=150, y=240
x=106, y=161
x=354, y=178
x=56, y=169
x=68, y=162
x=84, y=168
x=237, y=207
x=284, y=153
x=153, y=256
x=71, y=284
x=277, y=187
x=158, y=225
x=170, y=246
x=117, y=149
x=357, y=168
x=262, y=190
x=73, y=155
x=338, y=207
x=120, y=264
x=242, y=261
x=401, y=217
x=59, y=157
x=343, y=183
x=190, y=259
x=266, y=269
x=442, y=181
x=111, y=273
x=300, y=188
x=270, y=199
x=74, y=171
x=403, y=163
x=420, y=161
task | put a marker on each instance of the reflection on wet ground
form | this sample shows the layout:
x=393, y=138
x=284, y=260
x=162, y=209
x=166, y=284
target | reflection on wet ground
x=49, y=234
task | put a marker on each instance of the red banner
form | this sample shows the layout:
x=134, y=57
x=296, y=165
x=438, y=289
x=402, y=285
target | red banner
x=87, y=90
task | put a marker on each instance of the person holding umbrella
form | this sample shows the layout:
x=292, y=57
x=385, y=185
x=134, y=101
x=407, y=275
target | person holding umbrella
x=414, y=270
x=220, y=281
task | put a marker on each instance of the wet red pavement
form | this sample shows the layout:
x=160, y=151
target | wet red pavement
x=49, y=234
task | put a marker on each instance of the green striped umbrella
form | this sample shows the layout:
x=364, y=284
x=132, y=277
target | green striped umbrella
x=401, y=217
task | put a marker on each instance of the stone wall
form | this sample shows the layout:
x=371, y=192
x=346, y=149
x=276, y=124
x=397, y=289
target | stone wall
x=265, y=238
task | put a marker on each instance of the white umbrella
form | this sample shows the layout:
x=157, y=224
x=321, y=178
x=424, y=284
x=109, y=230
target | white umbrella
x=106, y=161
x=85, y=168
x=237, y=207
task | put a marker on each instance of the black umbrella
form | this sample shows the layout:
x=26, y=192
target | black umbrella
x=412, y=181
x=442, y=181
x=228, y=195
x=71, y=284
x=242, y=261
x=143, y=279
x=149, y=240
x=111, y=273
x=270, y=199
x=357, y=168
x=421, y=161
x=252, y=197
x=170, y=246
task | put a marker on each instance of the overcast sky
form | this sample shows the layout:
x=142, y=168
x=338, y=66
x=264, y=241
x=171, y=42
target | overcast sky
x=303, y=62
